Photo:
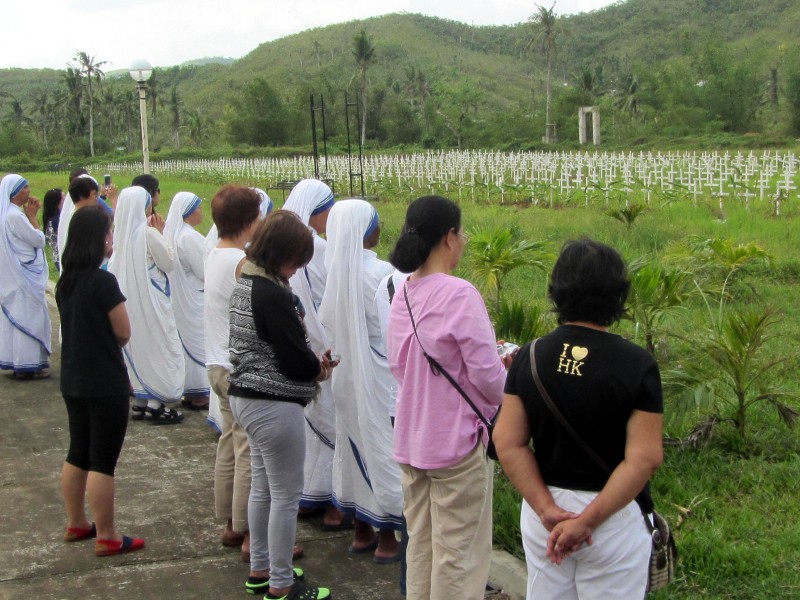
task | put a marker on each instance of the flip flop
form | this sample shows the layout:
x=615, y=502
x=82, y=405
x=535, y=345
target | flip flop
x=386, y=560
x=365, y=550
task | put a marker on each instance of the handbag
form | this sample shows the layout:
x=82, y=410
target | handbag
x=664, y=552
x=437, y=370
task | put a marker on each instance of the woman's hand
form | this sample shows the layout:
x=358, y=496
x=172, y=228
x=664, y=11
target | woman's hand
x=553, y=515
x=568, y=537
x=157, y=221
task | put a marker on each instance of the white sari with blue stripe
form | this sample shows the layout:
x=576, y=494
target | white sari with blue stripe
x=25, y=322
x=141, y=261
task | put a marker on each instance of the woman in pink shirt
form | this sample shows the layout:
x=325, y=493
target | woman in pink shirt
x=439, y=441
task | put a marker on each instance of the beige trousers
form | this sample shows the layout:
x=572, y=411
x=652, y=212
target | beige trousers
x=449, y=516
x=232, y=466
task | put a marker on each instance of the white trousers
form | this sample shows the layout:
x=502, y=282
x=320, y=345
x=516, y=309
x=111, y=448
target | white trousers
x=613, y=567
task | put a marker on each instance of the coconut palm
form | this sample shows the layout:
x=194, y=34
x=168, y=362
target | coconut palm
x=730, y=370
x=657, y=292
x=175, y=112
x=545, y=33
x=91, y=75
x=74, y=98
x=496, y=251
x=364, y=52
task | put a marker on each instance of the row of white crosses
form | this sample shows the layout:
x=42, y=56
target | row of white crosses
x=528, y=176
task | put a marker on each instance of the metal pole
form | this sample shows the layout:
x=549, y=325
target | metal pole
x=143, y=113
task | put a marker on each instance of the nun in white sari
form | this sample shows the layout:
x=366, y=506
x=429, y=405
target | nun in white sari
x=311, y=200
x=212, y=239
x=187, y=280
x=154, y=355
x=25, y=322
x=366, y=481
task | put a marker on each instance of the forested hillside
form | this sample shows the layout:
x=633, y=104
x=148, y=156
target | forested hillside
x=660, y=71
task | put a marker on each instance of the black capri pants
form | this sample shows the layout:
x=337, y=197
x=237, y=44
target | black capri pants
x=97, y=429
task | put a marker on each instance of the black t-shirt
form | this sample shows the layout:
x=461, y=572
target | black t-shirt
x=596, y=379
x=91, y=359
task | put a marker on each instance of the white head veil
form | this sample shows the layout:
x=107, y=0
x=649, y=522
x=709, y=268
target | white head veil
x=187, y=298
x=309, y=197
x=364, y=376
x=154, y=354
x=23, y=287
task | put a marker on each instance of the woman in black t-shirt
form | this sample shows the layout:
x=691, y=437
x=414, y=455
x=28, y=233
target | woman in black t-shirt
x=94, y=381
x=583, y=533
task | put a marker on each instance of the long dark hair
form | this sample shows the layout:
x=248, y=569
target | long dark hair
x=50, y=210
x=85, y=249
x=428, y=219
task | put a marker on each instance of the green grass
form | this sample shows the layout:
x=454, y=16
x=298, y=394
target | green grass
x=742, y=536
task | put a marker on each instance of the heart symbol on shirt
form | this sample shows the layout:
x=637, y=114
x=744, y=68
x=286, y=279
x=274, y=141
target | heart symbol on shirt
x=579, y=353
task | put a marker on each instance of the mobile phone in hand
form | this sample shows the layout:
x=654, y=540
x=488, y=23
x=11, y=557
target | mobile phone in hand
x=106, y=180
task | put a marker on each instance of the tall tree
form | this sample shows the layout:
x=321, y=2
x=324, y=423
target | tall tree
x=92, y=75
x=364, y=52
x=545, y=33
x=74, y=97
x=175, y=112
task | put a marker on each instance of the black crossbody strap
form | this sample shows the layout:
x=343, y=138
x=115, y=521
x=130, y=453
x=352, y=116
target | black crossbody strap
x=561, y=419
x=557, y=413
x=436, y=368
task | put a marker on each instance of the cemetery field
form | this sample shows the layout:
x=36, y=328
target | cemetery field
x=734, y=499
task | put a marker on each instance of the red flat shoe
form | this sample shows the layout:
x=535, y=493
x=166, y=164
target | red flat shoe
x=76, y=534
x=112, y=547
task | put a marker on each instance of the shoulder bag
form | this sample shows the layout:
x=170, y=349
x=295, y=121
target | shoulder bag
x=437, y=369
x=664, y=553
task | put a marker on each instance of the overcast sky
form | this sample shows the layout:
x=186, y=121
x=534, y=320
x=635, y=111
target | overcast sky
x=47, y=33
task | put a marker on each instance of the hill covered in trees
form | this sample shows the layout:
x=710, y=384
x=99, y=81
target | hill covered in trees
x=657, y=70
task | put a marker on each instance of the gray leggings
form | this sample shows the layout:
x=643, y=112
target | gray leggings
x=276, y=433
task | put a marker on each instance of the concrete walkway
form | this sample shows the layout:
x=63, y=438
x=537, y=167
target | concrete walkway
x=165, y=495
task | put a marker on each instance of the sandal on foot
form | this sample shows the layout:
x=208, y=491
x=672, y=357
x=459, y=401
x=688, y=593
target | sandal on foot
x=76, y=534
x=301, y=591
x=386, y=560
x=163, y=416
x=112, y=547
x=137, y=412
x=259, y=585
x=232, y=541
x=366, y=549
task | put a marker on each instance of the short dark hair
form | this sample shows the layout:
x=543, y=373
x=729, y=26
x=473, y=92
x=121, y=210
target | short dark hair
x=281, y=239
x=234, y=208
x=77, y=172
x=428, y=220
x=85, y=249
x=146, y=181
x=81, y=188
x=589, y=283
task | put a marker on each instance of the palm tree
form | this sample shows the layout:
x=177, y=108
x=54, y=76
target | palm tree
x=657, y=292
x=363, y=51
x=496, y=251
x=74, y=97
x=627, y=98
x=91, y=74
x=731, y=369
x=544, y=21
x=175, y=110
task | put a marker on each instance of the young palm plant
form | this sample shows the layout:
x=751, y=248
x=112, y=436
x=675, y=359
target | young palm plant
x=496, y=251
x=657, y=292
x=730, y=370
x=627, y=215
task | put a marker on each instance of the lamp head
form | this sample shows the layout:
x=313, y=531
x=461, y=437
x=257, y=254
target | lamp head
x=140, y=70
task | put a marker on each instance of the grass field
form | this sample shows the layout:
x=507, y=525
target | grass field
x=733, y=503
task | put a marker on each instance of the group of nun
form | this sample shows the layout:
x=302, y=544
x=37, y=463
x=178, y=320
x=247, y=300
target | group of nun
x=348, y=437
x=160, y=269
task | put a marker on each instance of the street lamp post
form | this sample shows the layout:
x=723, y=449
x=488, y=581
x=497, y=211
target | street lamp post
x=140, y=72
